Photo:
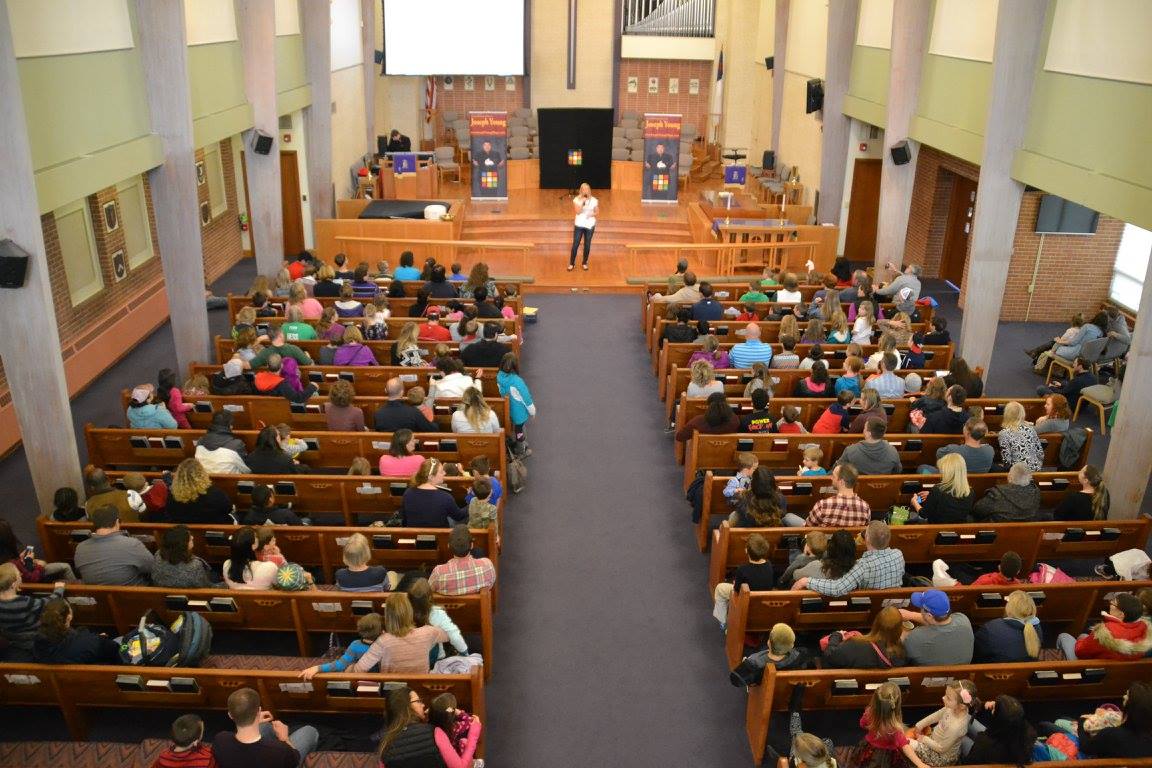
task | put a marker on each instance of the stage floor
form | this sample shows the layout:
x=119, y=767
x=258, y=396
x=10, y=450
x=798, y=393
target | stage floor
x=544, y=218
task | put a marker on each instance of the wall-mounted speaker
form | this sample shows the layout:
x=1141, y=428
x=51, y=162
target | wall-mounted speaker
x=770, y=62
x=13, y=265
x=901, y=154
x=261, y=142
x=815, y=96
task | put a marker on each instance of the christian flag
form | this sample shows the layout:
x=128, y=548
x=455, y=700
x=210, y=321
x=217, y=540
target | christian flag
x=717, y=98
x=429, y=97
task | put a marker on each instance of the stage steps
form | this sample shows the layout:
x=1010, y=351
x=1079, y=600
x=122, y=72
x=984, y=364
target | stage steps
x=556, y=234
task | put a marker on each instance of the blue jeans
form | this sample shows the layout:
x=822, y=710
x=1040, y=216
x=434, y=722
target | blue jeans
x=1067, y=643
x=577, y=233
x=303, y=739
x=793, y=520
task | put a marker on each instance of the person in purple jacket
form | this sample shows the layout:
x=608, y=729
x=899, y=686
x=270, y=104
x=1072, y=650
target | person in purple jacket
x=354, y=351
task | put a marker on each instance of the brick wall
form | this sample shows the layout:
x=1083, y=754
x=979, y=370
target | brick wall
x=693, y=108
x=462, y=102
x=1084, y=261
x=221, y=238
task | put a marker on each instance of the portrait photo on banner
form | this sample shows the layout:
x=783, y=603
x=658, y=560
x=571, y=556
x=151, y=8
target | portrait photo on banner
x=661, y=177
x=489, y=132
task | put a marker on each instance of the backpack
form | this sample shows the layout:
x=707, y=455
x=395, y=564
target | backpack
x=186, y=642
x=194, y=635
x=1071, y=447
x=695, y=496
x=517, y=473
x=290, y=578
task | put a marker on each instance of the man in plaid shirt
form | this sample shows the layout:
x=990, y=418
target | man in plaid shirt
x=844, y=510
x=463, y=574
x=878, y=568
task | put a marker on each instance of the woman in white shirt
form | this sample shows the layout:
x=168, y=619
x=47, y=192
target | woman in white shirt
x=244, y=570
x=862, y=327
x=586, y=208
x=790, y=293
x=474, y=415
x=454, y=381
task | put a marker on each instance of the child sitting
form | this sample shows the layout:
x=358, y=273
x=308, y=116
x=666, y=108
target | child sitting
x=188, y=747
x=293, y=446
x=849, y=381
x=265, y=511
x=1005, y=574
x=738, y=485
x=938, y=736
x=481, y=511
x=462, y=729
x=370, y=626
x=457, y=275
x=788, y=357
x=836, y=417
x=480, y=467
x=266, y=549
x=885, y=742
x=790, y=421
x=347, y=306
x=418, y=398
x=375, y=329
x=810, y=466
x=749, y=314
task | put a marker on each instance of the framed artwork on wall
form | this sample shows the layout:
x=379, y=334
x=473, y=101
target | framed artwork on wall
x=489, y=82
x=673, y=85
x=633, y=84
x=653, y=86
x=510, y=83
x=449, y=83
x=469, y=83
x=694, y=87
x=111, y=219
x=200, y=177
x=205, y=213
x=119, y=266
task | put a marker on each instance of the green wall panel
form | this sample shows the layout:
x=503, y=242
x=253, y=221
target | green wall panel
x=82, y=176
x=290, y=101
x=290, y=72
x=216, y=78
x=867, y=97
x=953, y=105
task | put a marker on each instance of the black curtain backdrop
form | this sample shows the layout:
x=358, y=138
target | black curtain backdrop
x=565, y=130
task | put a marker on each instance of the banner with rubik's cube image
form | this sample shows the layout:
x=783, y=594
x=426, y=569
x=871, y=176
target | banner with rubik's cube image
x=575, y=157
x=661, y=173
x=489, y=180
x=660, y=182
x=489, y=132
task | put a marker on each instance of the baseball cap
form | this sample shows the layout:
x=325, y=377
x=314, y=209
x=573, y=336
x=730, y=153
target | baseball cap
x=932, y=601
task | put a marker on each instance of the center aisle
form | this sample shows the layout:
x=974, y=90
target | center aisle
x=606, y=650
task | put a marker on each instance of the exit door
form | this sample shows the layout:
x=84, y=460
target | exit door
x=961, y=215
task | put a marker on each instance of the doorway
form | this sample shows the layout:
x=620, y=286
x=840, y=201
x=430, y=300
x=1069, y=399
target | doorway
x=293, y=216
x=958, y=230
x=863, y=211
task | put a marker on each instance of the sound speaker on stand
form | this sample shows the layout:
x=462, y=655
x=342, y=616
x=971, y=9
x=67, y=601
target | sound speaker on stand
x=901, y=154
x=768, y=161
x=261, y=142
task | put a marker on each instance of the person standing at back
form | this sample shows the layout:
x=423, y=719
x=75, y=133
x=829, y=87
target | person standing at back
x=586, y=208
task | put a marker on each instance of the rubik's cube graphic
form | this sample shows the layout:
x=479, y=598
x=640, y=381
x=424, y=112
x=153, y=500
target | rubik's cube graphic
x=660, y=182
x=489, y=180
x=575, y=157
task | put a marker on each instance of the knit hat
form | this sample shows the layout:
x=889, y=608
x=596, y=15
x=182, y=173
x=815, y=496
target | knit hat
x=233, y=368
x=912, y=383
x=141, y=393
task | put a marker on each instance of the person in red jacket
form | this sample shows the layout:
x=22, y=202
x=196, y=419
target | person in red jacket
x=836, y=417
x=1124, y=635
x=432, y=330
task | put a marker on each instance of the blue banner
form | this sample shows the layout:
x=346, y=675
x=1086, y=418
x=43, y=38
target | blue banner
x=403, y=163
x=735, y=175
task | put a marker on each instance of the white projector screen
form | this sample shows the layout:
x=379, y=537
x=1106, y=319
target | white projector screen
x=454, y=37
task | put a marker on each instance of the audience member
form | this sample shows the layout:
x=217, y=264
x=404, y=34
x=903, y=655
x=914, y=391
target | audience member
x=340, y=415
x=870, y=408
x=904, y=290
x=1091, y=502
x=943, y=638
x=751, y=350
x=1123, y=635
x=110, y=557
x=707, y=308
x=359, y=575
x=475, y=416
x=760, y=378
x=836, y=417
x=58, y=642
x=265, y=510
x=401, y=459
x=20, y=614
x=689, y=294
x=681, y=331
x=1018, y=439
x=887, y=384
x=874, y=455
x=881, y=648
x=843, y=510
x=172, y=397
x=849, y=381
x=885, y=742
x=762, y=506
x=758, y=419
x=426, y=612
x=938, y=737
x=278, y=345
x=101, y=493
x=948, y=501
x=175, y=565
x=276, y=382
x=939, y=335
x=949, y=420
x=403, y=647
x=816, y=384
x=230, y=380
x=757, y=574
x=219, y=450
x=260, y=739
x=146, y=412
x=267, y=456
x=1016, y=501
x=1015, y=638
x=188, y=749
x=409, y=738
x=880, y=567
x=1006, y=738
x=808, y=561
x=717, y=419
x=960, y=373
x=66, y=506
x=244, y=569
x=194, y=500
x=1068, y=346
x=1133, y=737
x=977, y=454
x=1006, y=573
x=426, y=504
x=703, y=381
x=711, y=352
x=1057, y=415
x=1082, y=378
x=463, y=574
x=353, y=350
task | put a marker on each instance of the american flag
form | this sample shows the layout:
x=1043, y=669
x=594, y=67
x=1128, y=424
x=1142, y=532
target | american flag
x=429, y=97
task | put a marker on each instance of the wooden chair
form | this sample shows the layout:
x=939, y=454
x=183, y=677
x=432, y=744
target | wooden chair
x=1102, y=404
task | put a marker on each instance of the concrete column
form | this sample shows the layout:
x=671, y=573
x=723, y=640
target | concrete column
x=164, y=52
x=837, y=125
x=32, y=361
x=911, y=20
x=1129, y=461
x=316, y=24
x=779, y=51
x=257, y=28
x=1019, y=38
x=371, y=71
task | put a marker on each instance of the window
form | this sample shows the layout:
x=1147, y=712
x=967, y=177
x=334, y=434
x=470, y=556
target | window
x=1131, y=266
x=78, y=250
x=134, y=219
x=214, y=170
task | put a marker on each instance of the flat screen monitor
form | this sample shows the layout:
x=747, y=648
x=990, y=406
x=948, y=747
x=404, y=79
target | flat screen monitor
x=453, y=37
x=1064, y=217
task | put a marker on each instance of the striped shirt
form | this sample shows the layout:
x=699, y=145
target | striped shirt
x=199, y=757
x=20, y=616
x=876, y=569
x=744, y=354
x=410, y=653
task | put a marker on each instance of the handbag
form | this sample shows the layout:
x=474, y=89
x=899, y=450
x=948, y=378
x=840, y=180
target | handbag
x=517, y=473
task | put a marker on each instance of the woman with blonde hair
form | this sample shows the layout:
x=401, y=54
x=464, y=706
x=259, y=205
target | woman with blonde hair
x=789, y=326
x=703, y=382
x=354, y=351
x=710, y=351
x=282, y=283
x=406, y=350
x=260, y=284
x=950, y=500
x=870, y=408
x=310, y=309
x=761, y=379
x=403, y=647
x=359, y=575
x=838, y=333
x=474, y=415
x=1016, y=637
x=881, y=648
x=1018, y=439
x=1091, y=502
x=886, y=344
x=326, y=285
x=327, y=327
x=193, y=498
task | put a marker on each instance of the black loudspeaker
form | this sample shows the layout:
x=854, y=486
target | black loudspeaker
x=769, y=159
x=261, y=143
x=900, y=153
x=13, y=265
x=770, y=62
x=815, y=100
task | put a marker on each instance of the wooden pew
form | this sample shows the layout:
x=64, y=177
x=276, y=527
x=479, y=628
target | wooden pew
x=880, y=491
x=660, y=311
x=258, y=411
x=966, y=542
x=677, y=355
x=851, y=690
x=368, y=380
x=652, y=287
x=303, y=613
x=314, y=546
x=783, y=451
x=399, y=306
x=225, y=348
x=112, y=448
x=1061, y=608
x=74, y=689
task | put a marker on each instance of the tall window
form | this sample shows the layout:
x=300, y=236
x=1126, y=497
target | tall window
x=134, y=219
x=1131, y=266
x=78, y=250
